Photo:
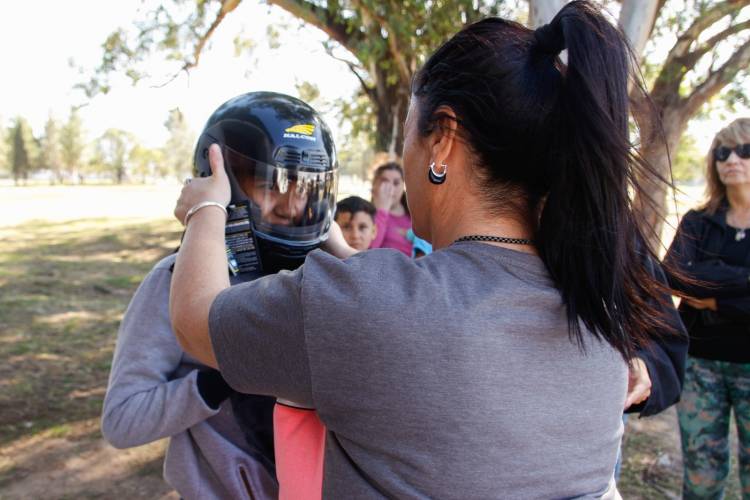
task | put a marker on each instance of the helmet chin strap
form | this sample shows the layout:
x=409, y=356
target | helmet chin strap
x=275, y=258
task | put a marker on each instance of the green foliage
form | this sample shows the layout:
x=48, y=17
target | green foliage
x=113, y=151
x=355, y=155
x=63, y=151
x=273, y=36
x=24, y=150
x=5, y=148
x=73, y=144
x=358, y=112
x=51, y=157
x=388, y=40
x=689, y=162
x=385, y=42
x=169, y=29
x=737, y=97
x=243, y=45
x=21, y=161
x=147, y=163
x=178, y=151
x=713, y=30
x=308, y=92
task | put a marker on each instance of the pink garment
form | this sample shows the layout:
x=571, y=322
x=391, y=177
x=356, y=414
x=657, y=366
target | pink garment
x=392, y=232
x=299, y=440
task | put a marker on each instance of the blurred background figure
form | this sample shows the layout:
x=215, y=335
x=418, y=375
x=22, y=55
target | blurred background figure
x=420, y=247
x=356, y=216
x=392, y=218
x=712, y=251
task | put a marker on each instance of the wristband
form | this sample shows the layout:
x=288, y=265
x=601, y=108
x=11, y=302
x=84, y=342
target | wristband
x=203, y=204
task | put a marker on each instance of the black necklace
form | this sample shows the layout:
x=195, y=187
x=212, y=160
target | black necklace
x=497, y=239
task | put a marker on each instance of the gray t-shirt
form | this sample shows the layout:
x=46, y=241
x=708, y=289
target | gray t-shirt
x=451, y=376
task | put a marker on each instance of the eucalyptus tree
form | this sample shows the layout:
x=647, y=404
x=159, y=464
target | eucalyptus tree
x=384, y=42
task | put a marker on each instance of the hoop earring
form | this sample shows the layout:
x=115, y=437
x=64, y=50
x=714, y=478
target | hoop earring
x=437, y=178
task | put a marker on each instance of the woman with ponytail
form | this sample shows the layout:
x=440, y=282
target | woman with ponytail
x=504, y=373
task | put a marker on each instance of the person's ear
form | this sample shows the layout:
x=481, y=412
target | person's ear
x=374, y=230
x=442, y=139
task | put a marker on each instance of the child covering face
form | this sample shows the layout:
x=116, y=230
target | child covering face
x=392, y=217
x=356, y=216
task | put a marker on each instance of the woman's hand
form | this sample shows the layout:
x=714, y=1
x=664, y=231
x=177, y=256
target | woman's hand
x=639, y=383
x=213, y=188
x=709, y=303
x=382, y=195
x=336, y=245
x=200, y=271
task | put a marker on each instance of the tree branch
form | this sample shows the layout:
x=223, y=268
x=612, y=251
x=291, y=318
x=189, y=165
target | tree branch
x=354, y=69
x=227, y=6
x=667, y=84
x=718, y=79
x=692, y=58
x=323, y=19
x=700, y=24
x=392, y=39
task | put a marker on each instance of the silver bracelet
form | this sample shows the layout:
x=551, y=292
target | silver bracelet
x=203, y=204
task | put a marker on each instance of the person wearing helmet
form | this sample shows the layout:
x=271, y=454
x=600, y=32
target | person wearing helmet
x=282, y=165
x=283, y=185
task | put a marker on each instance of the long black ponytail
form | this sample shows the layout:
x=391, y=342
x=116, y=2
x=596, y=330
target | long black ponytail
x=552, y=146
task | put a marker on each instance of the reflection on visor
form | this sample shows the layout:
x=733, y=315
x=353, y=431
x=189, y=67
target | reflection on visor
x=287, y=203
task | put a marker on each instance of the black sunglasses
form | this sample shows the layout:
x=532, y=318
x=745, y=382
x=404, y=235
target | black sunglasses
x=721, y=153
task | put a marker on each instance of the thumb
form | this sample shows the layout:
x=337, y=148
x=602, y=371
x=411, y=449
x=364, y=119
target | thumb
x=639, y=392
x=216, y=161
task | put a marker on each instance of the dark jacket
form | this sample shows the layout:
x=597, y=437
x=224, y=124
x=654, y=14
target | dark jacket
x=664, y=358
x=696, y=254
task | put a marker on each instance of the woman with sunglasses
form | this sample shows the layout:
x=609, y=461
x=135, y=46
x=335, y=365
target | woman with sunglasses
x=711, y=250
x=504, y=373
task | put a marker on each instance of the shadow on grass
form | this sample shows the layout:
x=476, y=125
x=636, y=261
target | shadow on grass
x=63, y=290
x=81, y=465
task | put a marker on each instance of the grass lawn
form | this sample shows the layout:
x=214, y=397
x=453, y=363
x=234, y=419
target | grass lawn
x=63, y=289
x=64, y=286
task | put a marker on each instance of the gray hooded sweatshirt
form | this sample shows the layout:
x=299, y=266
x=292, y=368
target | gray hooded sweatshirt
x=152, y=394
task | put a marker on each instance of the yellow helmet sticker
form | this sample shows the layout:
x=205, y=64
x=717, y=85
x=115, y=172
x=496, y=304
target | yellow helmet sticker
x=306, y=129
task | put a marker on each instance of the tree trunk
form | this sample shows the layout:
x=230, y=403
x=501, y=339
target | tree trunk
x=391, y=114
x=542, y=11
x=636, y=21
x=651, y=201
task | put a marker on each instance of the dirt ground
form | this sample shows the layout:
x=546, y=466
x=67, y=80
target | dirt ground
x=80, y=464
x=70, y=259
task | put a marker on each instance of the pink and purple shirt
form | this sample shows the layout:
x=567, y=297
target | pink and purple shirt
x=392, y=231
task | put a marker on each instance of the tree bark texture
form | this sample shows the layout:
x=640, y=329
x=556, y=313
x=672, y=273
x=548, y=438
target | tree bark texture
x=542, y=11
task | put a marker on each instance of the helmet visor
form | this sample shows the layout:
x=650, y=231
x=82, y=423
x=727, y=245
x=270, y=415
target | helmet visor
x=288, y=203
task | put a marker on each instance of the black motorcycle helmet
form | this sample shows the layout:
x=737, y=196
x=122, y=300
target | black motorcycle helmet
x=281, y=161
